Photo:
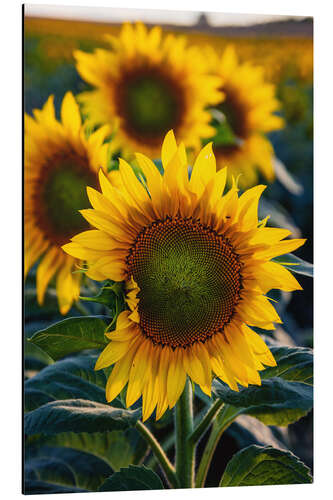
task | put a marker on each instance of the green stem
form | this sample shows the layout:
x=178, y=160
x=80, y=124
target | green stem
x=224, y=417
x=169, y=441
x=184, y=428
x=162, y=459
x=204, y=424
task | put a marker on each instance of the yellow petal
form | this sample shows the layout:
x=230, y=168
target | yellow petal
x=80, y=252
x=46, y=270
x=138, y=373
x=169, y=148
x=70, y=114
x=67, y=286
x=110, y=267
x=248, y=207
x=96, y=240
x=281, y=248
x=119, y=375
x=259, y=347
x=204, y=169
x=101, y=221
x=273, y=275
x=112, y=353
x=176, y=377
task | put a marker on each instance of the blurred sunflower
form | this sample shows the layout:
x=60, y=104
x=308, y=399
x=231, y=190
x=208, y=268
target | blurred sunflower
x=196, y=267
x=59, y=162
x=146, y=85
x=243, y=117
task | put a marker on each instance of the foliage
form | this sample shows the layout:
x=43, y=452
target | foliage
x=258, y=465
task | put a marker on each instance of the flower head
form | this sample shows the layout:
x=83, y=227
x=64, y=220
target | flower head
x=59, y=162
x=146, y=85
x=248, y=111
x=196, y=264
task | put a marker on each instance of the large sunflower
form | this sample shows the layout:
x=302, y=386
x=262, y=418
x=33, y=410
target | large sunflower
x=146, y=85
x=247, y=114
x=196, y=267
x=59, y=162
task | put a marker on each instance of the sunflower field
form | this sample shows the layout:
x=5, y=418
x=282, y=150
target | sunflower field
x=168, y=191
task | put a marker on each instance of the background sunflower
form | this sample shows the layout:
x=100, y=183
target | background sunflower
x=246, y=114
x=146, y=84
x=59, y=161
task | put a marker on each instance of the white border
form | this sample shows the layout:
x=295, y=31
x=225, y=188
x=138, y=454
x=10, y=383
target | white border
x=11, y=244
x=105, y=14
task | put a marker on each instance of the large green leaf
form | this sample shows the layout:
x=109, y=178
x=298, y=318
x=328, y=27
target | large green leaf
x=134, y=477
x=72, y=335
x=78, y=415
x=285, y=394
x=275, y=402
x=66, y=467
x=295, y=264
x=264, y=465
x=34, y=358
x=70, y=378
x=117, y=448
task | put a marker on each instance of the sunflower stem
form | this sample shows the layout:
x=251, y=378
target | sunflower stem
x=160, y=455
x=204, y=424
x=184, y=447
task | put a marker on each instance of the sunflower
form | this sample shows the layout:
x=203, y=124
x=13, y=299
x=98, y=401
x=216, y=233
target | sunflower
x=59, y=162
x=245, y=115
x=146, y=85
x=196, y=268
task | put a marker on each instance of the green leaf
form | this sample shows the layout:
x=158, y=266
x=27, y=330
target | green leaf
x=275, y=402
x=295, y=264
x=134, y=477
x=70, y=378
x=34, y=357
x=37, y=487
x=78, y=415
x=72, y=335
x=66, y=467
x=264, y=465
x=285, y=394
x=108, y=295
x=117, y=448
x=293, y=363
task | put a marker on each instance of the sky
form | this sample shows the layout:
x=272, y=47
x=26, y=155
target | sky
x=104, y=14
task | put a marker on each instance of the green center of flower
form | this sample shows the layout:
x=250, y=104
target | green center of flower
x=150, y=104
x=189, y=279
x=62, y=195
x=231, y=126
